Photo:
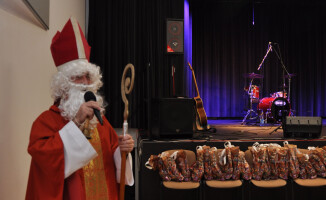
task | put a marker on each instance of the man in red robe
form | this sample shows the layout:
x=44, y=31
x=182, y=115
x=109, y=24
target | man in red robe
x=74, y=156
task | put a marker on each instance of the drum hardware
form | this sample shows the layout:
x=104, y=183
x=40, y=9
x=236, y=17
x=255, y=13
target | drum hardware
x=268, y=113
x=269, y=49
x=279, y=94
x=283, y=117
x=287, y=75
x=276, y=47
x=279, y=103
x=253, y=76
x=280, y=109
x=253, y=92
x=274, y=108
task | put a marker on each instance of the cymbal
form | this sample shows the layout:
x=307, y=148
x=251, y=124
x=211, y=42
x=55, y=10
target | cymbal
x=289, y=75
x=253, y=75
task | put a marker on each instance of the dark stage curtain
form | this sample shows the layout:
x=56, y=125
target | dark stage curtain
x=133, y=31
x=227, y=45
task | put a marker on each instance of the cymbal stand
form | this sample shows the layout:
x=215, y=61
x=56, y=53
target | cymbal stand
x=289, y=89
x=250, y=111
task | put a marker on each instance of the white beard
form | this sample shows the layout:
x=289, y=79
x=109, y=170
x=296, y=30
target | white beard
x=71, y=102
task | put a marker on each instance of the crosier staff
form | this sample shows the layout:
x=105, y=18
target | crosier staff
x=126, y=88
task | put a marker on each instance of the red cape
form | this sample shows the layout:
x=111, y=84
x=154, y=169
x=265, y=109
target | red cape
x=46, y=176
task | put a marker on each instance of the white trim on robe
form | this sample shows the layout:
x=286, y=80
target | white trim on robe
x=129, y=175
x=77, y=149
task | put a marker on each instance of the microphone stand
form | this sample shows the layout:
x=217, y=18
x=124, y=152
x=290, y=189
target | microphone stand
x=278, y=54
x=268, y=50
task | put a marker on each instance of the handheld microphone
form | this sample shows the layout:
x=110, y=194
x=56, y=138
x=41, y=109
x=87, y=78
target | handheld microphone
x=90, y=96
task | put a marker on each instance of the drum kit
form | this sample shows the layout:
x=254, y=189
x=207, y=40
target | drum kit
x=272, y=108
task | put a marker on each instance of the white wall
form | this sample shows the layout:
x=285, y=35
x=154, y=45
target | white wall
x=26, y=67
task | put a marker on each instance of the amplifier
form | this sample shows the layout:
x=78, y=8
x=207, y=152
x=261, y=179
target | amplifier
x=173, y=117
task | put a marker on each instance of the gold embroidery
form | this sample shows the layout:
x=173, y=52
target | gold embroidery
x=95, y=181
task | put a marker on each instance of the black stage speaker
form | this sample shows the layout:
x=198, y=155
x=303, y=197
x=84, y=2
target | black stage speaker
x=302, y=127
x=173, y=118
x=174, y=36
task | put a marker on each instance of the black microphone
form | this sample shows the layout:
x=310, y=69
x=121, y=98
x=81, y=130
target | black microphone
x=90, y=96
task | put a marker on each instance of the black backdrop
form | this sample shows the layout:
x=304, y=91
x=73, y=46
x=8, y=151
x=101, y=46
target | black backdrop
x=133, y=31
x=225, y=46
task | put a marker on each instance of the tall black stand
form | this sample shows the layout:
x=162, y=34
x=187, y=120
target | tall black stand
x=278, y=54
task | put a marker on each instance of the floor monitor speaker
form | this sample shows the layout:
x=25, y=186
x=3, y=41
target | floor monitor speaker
x=302, y=127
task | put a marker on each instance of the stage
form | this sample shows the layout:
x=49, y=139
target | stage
x=246, y=135
x=232, y=129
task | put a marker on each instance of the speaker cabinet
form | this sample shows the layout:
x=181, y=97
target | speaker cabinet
x=302, y=127
x=173, y=118
x=174, y=36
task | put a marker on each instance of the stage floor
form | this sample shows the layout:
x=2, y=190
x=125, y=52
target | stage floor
x=231, y=129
